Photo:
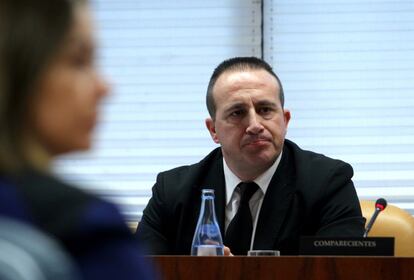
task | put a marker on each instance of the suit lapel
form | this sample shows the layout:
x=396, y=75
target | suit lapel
x=275, y=205
x=220, y=191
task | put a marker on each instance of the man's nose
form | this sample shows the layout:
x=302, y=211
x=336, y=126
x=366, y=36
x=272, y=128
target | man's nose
x=254, y=126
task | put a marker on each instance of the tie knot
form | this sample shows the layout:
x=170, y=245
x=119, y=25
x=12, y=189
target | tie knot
x=247, y=189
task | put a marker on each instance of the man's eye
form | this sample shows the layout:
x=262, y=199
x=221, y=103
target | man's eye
x=236, y=113
x=265, y=110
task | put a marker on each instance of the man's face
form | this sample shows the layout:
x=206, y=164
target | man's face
x=250, y=123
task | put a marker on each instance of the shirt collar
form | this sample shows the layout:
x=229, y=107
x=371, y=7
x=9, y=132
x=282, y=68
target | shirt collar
x=263, y=181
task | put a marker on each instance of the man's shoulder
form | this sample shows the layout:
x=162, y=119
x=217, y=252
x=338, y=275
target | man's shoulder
x=195, y=170
x=313, y=161
x=315, y=174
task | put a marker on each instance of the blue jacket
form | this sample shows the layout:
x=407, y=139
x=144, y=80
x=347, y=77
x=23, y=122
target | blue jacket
x=91, y=230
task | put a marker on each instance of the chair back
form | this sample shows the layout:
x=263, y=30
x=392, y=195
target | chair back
x=393, y=222
x=28, y=254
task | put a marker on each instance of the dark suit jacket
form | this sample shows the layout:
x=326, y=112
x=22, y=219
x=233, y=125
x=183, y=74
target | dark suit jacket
x=91, y=230
x=308, y=195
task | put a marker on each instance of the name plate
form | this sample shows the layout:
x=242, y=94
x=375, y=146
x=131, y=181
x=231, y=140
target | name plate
x=347, y=246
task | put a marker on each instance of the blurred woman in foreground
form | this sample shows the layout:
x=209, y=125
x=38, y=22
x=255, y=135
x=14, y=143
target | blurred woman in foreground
x=49, y=95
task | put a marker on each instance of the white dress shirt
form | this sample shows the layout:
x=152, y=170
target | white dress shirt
x=233, y=194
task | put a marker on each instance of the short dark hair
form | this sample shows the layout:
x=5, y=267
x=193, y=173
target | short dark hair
x=238, y=64
x=31, y=33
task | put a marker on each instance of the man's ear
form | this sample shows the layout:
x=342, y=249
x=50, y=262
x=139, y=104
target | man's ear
x=286, y=115
x=212, y=129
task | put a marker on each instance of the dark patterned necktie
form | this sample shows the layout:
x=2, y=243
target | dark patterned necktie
x=239, y=231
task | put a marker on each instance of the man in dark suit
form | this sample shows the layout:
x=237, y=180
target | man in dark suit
x=299, y=193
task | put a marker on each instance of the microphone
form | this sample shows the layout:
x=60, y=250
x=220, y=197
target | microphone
x=380, y=205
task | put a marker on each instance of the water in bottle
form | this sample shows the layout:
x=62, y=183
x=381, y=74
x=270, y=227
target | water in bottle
x=207, y=239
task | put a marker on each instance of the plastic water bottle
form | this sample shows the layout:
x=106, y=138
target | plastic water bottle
x=207, y=239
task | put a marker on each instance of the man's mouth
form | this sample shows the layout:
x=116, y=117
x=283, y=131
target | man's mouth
x=257, y=142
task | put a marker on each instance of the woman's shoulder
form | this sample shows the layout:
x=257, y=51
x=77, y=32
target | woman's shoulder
x=89, y=228
x=65, y=210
